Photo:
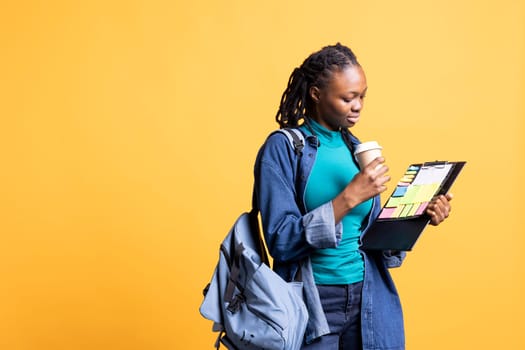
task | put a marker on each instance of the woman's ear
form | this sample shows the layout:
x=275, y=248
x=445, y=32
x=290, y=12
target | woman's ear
x=315, y=93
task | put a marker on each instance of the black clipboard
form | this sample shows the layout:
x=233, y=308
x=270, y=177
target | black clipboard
x=399, y=227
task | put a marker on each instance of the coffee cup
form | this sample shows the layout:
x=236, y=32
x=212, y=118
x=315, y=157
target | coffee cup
x=366, y=152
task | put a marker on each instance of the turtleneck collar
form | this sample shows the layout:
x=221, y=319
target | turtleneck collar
x=327, y=137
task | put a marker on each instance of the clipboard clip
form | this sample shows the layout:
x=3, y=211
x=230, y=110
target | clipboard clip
x=437, y=163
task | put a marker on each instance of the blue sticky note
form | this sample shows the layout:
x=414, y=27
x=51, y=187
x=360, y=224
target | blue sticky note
x=400, y=191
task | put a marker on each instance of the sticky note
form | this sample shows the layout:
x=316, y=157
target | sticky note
x=405, y=211
x=400, y=191
x=397, y=211
x=394, y=202
x=422, y=208
x=407, y=178
x=414, y=209
x=411, y=194
x=386, y=213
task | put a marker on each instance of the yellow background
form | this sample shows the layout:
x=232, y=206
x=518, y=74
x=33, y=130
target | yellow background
x=129, y=131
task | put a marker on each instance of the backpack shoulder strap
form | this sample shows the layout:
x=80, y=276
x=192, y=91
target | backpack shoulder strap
x=296, y=138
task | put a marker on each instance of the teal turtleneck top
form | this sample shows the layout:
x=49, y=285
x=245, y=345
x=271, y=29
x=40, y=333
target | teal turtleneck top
x=333, y=169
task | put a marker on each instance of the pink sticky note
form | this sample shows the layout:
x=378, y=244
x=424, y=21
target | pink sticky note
x=386, y=213
x=421, y=208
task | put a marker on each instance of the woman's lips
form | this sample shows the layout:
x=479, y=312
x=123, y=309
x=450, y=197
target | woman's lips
x=352, y=118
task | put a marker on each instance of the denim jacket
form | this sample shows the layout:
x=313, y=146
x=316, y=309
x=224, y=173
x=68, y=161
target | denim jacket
x=292, y=233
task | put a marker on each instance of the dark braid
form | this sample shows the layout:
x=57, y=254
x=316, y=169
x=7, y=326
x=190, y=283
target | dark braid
x=316, y=70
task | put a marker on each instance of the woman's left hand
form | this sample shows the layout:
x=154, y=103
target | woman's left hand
x=439, y=209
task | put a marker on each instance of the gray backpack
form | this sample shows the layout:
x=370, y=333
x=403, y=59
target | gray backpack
x=251, y=306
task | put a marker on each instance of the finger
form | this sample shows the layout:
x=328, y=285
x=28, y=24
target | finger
x=443, y=203
x=444, y=206
x=381, y=189
x=433, y=208
x=435, y=218
x=376, y=171
x=381, y=169
x=375, y=163
x=383, y=179
x=439, y=210
x=431, y=213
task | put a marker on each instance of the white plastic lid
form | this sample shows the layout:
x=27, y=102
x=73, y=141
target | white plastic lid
x=366, y=146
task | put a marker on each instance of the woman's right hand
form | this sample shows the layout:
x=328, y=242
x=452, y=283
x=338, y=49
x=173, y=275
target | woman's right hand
x=368, y=183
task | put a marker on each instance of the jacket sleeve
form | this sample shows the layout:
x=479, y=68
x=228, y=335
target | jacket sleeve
x=394, y=258
x=289, y=234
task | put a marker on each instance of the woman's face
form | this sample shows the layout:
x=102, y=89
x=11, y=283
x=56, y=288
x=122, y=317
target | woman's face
x=339, y=103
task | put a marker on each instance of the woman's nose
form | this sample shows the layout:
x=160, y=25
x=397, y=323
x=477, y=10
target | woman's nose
x=357, y=105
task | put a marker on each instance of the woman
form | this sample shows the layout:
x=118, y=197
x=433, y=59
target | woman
x=315, y=206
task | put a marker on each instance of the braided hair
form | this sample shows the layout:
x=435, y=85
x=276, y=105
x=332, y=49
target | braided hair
x=316, y=70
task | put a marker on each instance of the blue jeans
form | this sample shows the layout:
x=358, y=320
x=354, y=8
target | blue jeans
x=342, y=307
